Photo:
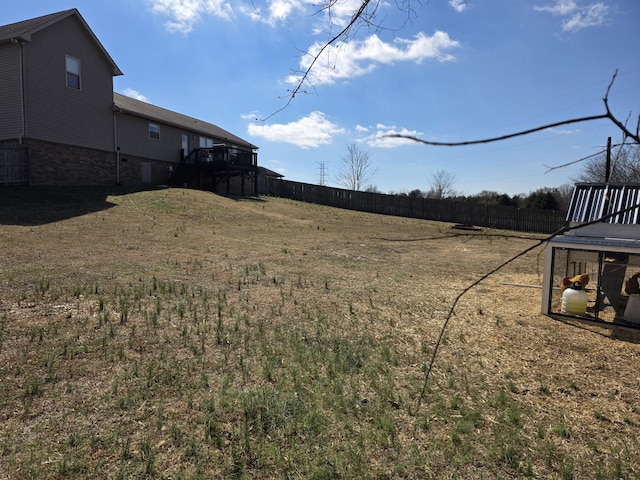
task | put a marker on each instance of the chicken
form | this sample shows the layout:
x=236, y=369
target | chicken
x=632, y=286
x=582, y=280
x=566, y=283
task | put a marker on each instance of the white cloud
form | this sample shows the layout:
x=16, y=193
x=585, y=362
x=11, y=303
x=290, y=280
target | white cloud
x=381, y=138
x=561, y=7
x=459, y=5
x=185, y=13
x=253, y=115
x=563, y=131
x=130, y=92
x=591, y=16
x=279, y=10
x=308, y=132
x=274, y=12
x=351, y=59
x=577, y=16
x=342, y=11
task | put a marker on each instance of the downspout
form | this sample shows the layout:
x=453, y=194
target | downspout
x=23, y=109
x=115, y=142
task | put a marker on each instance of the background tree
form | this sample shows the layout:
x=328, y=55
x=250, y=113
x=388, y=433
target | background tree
x=625, y=166
x=442, y=185
x=563, y=195
x=543, y=199
x=506, y=201
x=357, y=168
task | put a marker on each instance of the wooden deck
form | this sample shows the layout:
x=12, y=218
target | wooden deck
x=207, y=168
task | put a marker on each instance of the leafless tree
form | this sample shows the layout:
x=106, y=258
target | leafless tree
x=624, y=169
x=442, y=185
x=357, y=168
x=565, y=191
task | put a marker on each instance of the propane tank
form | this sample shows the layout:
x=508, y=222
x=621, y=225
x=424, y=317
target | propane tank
x=574, y=300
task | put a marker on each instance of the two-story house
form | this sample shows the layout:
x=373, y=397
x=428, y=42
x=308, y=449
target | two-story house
x=58, y=107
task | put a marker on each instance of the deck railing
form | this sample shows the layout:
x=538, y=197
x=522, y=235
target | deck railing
x=221, y=154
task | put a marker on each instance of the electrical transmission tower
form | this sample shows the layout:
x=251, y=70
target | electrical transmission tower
x=323, y=173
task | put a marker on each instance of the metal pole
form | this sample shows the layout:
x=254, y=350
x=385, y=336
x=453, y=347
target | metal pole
x=607, y=174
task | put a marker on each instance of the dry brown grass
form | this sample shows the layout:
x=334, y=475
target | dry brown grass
x=180, y=334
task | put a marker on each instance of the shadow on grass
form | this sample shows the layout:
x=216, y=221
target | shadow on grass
x=30, y=206
x=616, y=331
x=240, y=198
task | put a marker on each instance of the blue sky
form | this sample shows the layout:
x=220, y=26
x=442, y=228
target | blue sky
x=448, y=71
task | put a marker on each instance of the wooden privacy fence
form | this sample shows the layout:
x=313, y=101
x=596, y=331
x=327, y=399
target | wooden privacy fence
x=492, y=216
x=14, y=165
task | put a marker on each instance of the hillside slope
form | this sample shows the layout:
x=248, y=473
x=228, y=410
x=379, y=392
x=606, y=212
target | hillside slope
x=180, y=334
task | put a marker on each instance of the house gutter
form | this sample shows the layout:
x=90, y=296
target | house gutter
x=23, y=109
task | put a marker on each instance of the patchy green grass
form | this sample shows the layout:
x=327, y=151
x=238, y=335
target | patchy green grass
x=180, y=334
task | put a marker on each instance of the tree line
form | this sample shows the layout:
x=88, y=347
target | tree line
x=599, y=168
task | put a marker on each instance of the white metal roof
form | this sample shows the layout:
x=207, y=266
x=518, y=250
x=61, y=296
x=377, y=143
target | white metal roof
x=591, y=201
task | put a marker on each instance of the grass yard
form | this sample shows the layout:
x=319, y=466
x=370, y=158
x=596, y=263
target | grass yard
x=183, y=335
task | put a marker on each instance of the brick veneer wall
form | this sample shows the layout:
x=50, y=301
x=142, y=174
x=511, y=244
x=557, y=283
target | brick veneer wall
x=131, y=170
x=55, y=164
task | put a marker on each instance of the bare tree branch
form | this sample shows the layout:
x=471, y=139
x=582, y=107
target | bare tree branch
x=343, y=33
x=557, y=167
x=618, y=123
x=502, y=137
x=608, y=115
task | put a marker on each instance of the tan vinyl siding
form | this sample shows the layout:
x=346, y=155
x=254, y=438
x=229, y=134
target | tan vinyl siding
x=60, y=114
x=10, y=97
x=134, y=139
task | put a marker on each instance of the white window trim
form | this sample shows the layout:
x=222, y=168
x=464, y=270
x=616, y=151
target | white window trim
x=67, y=72
x=152, y=127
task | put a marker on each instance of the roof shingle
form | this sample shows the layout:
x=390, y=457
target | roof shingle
x=151, y=112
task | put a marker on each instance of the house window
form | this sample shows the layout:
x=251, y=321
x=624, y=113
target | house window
x=154, y=131
x=185, y=144
x=73, y=72
x=206, y=142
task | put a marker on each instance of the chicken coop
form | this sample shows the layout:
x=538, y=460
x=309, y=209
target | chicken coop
x=593, y=270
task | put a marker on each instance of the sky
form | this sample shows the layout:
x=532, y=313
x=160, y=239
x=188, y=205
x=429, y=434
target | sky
x=445, y=70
